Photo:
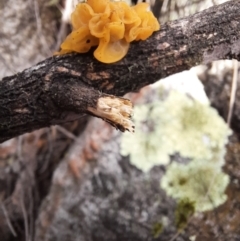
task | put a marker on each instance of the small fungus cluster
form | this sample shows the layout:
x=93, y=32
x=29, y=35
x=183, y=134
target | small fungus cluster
x=109, y=25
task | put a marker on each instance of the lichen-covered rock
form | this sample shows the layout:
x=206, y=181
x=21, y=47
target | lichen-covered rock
x=192, y=129
x=97, y=195
x=177, y=124
x=199, y=182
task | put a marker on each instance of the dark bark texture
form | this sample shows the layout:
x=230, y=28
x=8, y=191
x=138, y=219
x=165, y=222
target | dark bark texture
x=61, y=88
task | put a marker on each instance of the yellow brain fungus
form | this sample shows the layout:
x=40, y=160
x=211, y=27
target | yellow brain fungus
x=109, y=25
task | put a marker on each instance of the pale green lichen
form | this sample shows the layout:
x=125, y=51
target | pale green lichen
x=143, y=146
x=176, y=125
x=201, y=182
x=182, y=125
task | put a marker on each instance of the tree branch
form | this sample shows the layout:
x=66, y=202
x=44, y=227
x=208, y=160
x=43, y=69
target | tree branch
x=64, y=88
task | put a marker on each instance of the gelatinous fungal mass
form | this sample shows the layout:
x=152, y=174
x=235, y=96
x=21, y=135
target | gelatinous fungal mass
x=110, y=26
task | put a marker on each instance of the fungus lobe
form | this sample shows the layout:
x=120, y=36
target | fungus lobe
x=110, y=26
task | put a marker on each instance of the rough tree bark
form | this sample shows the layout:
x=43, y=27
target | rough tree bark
x=64, y=88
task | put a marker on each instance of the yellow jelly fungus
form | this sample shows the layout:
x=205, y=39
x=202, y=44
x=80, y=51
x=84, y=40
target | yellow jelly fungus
x=109, y=25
